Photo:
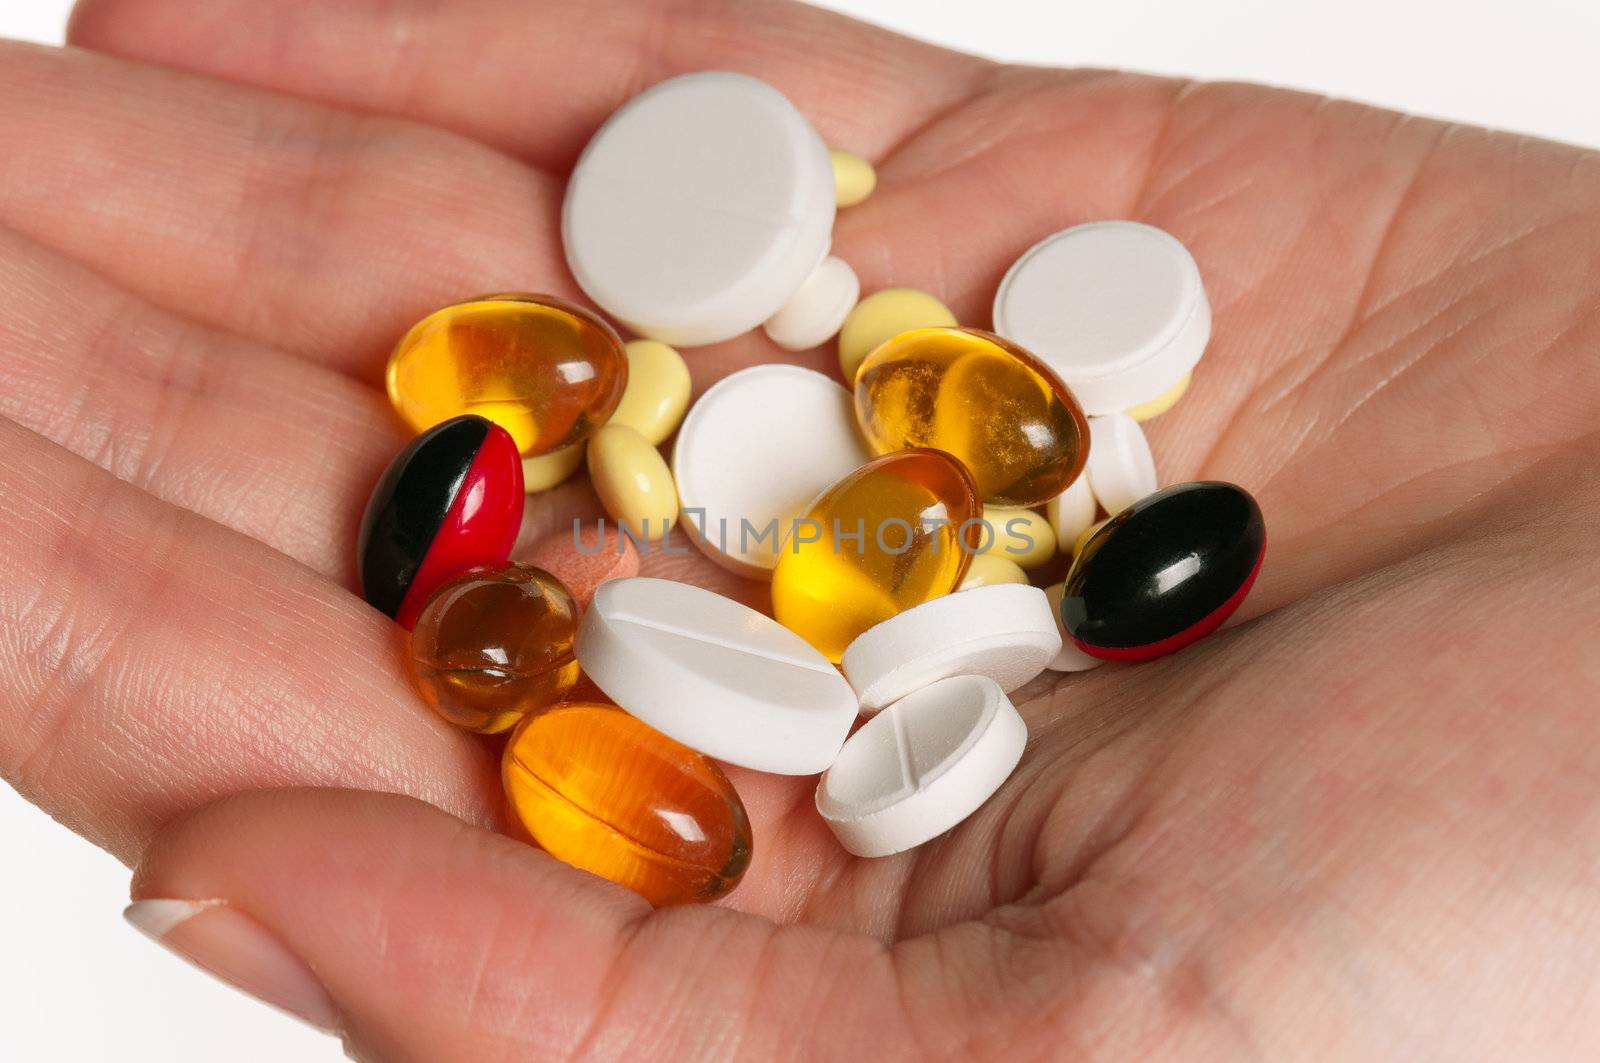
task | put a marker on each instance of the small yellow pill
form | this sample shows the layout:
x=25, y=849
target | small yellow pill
x=853, y=177
x=882, y=316
x=1162, y=402
x=989, y=569
x=633, y=482
x=552, y=469
x=1088, y=533
x=657, y=393
x=1021, y=536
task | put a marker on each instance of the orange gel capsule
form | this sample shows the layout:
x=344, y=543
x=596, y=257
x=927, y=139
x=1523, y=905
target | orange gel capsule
x=546, y=370
x=603, y=792
x=996, y=407
x=493, y=645
x=895, y=533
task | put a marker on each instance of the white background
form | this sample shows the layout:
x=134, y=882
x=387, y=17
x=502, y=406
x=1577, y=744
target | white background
x=77, y=984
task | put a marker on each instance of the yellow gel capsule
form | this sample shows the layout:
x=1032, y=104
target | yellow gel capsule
x=882, y=316
x=658, y=391
x=603, y=792
x=1021, y=536
x=546, y=370
x=853, y=178
x=1162, y=402
x=551, y=470
x=986, y=401
x=633, y=482
x=894, y=533
x=989, y=569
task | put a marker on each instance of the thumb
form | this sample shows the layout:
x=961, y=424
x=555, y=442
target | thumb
x=414, y=935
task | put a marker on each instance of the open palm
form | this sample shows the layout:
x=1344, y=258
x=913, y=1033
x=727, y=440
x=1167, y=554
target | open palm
x=1366, y=821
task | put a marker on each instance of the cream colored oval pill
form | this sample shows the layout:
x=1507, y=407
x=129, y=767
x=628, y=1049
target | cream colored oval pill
x=1018, y=535
x=1162, y=402
x=633, y=482
x=657, y=392
x=988, y=569
x=884, y=315
x=853, y=177
x=1087, y=534
x=544, y=471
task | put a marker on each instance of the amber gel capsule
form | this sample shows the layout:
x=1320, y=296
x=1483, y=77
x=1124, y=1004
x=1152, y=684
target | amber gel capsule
x=601, y=791
x=493, y=645
x=897, y=532
x=546, y=370
x=997, y=408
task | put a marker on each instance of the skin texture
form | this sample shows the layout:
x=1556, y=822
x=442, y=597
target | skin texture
x=1362, y=824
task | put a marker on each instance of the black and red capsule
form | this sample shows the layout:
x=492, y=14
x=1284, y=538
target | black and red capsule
x=450, y=501
x=1164, y=572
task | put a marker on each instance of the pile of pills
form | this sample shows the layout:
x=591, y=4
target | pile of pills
x=901, y=512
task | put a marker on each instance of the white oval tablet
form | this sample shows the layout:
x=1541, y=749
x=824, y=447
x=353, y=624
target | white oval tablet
x=715, y=675
x=699, y=208
x=1072, y=511
x=921, y=766
x=1121, y=470
x=1116, y=308
x=1003, y=631
x=753, y=453
x=1070, y=658
x=817, y=310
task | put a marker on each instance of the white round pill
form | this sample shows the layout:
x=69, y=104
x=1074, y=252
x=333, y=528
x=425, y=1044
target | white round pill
x=699, y=208
x=715, y=675
x=1070, y=658
x=753, y=453
x=817, y=310
x=1116, y=308
x=1121, y=470
x=921, y=766
x=1003, y=631
x=1072, y=511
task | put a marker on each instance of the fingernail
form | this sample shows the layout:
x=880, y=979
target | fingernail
x=231, y=945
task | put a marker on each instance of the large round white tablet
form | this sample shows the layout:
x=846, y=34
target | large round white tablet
x=1121, y=470
x=1116, y=308
x=699, y=208
x=921, y=766
x=715, y=675
x=753, y=453
x=1004, y=631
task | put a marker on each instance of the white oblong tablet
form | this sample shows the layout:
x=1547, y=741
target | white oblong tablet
x=1004, y=631
x=1072, y=511
x=817, y=310
x=1121, y=470
x=1070, y=658
x=699, y=208
x=715, y=675
x=1116, y=308
x=921, y=766
x=753, y=453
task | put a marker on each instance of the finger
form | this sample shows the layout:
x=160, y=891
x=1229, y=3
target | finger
x=435, y=940
x=270, y=445
x=308, y=229
x=151, y=661
x=541, y=79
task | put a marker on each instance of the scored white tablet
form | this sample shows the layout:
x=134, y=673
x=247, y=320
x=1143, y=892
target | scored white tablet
x=753, y=453
x=1004, y=631
x=1116, y=308
x=699, y=209
x=921, y=766
x=1121, y=470
x=715, y=675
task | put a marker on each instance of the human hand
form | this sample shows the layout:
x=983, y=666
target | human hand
x=1361, y=824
